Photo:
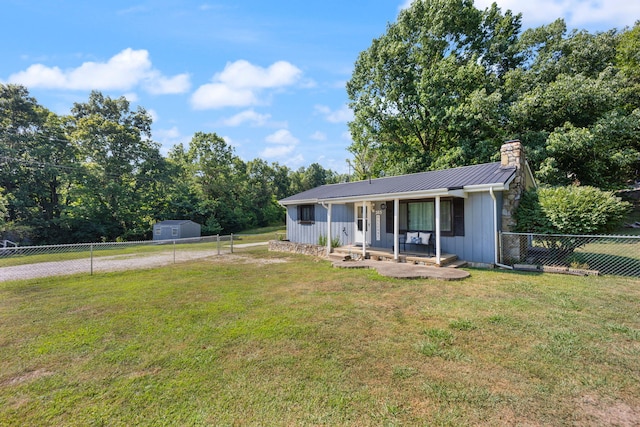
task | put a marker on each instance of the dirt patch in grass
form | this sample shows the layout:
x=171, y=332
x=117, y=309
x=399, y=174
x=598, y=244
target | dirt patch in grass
x=607, y=413
x=27, y=377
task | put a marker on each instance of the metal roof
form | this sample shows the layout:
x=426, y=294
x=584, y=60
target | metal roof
x=487, y=174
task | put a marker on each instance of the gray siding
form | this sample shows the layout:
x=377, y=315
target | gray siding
x=477, y=245
x=342, y=224
x=169, y=230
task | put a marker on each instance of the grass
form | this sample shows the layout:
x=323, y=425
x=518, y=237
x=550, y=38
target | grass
x=275, y=339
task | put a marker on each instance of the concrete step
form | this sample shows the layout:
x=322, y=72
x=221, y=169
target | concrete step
x=457, y=264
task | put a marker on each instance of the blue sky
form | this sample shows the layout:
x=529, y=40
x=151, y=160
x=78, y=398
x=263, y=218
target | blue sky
x=268, y=77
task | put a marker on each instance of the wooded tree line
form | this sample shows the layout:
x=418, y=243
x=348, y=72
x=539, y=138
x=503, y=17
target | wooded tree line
x=447, y=84
x=97, y=174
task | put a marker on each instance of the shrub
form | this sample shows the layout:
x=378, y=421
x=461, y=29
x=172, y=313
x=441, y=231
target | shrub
x=570, y=210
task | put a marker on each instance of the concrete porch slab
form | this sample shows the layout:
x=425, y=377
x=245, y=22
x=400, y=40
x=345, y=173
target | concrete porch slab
x=406, y=270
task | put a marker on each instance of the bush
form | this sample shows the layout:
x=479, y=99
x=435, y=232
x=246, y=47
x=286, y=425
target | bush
x=570, y=210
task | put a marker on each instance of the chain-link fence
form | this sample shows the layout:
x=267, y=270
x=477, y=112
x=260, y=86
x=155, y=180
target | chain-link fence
x=616, y=255
x=22, y=262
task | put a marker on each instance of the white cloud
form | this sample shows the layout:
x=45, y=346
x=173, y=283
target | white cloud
x=240, y=83
x=284, y=144
x=593, y=15
x=217, y=95
x=250, y=116
x=169, y=138
x=590, y=14
x=342, y=115
x=282, y=136
x=318, y=136
x=131, y=97
x=231, y=142
x=153, y=113
x=124, y=71
x=157, y=84
x=277, y=151
x=243, y=74
x=406, y=4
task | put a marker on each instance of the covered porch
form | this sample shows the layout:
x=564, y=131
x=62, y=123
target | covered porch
x=402, y=222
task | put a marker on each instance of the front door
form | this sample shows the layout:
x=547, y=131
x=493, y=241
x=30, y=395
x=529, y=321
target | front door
x=360, y=224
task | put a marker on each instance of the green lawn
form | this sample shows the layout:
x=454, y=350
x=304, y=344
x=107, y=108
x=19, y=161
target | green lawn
x=263, y=338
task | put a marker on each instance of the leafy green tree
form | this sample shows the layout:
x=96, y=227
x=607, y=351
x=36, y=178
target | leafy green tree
x=116, y=151
x=217, y=175
x=413, y=89
x=37, y=162
x=447, y=84
x=604, y=155
x=628, y=52
x=3, y=209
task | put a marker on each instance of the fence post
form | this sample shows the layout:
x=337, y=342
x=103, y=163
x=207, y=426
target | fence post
x=218, y=242
x=500, y=247
x=174, y=251
x=91, y=256
x=231, y=242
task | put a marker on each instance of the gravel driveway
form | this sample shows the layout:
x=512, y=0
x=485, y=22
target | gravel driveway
x=106, y=263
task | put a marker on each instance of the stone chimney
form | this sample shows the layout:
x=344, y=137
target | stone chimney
x=512, y=155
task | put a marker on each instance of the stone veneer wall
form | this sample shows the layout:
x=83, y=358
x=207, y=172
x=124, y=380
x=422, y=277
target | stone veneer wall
x=512, y=154
x=297, y=248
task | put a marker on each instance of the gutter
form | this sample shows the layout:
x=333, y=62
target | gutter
x=495, y=231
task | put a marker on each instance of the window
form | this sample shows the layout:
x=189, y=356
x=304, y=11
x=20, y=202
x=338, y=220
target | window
x=306, y=214
x=421, y=216
x=359, y=218
x=174, y=231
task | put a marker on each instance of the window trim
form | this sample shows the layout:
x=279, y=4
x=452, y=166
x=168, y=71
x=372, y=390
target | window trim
x=456, y=212
x=310, y=216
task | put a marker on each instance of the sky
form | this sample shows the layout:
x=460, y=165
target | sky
x=267, y=76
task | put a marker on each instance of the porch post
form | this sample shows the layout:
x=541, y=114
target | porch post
x=329, y=229
x=438, y=253
x=364, y=230
x=396, y=229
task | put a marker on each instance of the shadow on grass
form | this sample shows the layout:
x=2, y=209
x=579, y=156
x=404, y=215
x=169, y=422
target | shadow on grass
x=610, y=264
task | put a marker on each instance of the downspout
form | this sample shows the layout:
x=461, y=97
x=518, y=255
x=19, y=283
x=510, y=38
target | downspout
x=328, y=208
x=495, y=231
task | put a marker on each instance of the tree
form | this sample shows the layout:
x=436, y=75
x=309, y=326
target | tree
x=447, y=84
x=604, y=155
x=412, y=90
x=37, y=162
x=3, y=209
x=115, y=150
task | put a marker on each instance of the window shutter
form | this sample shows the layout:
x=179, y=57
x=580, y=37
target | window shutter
x=389, y=216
